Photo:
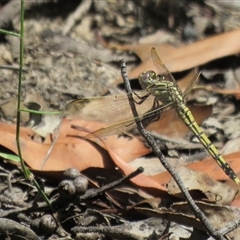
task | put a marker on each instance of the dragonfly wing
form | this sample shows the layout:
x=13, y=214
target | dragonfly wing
x=115, y=129
x=169, y=125
x=191, y=85
x=162, y=69
x=107, y=109
x=128, y=126
x=163, y=120
x=172, y=126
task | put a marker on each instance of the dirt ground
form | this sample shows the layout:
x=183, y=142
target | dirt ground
x=64, y=59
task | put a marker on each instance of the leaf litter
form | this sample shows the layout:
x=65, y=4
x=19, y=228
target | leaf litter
x=53, y=66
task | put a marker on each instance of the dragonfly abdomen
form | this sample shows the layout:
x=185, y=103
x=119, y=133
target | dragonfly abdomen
x=189, y=120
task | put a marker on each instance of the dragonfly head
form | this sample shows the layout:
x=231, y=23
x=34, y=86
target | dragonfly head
x=147, y=79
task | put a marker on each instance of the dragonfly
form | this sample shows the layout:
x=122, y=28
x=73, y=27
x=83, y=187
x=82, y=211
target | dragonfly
x=166, y=89
x=160, y=100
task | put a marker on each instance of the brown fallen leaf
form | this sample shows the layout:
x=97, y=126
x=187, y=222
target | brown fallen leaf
x=181, y=213
x=198, y=181
x=122, y=150
x=184, y=57
x=72, y=151
x=234, y=92
x=66, y=154
x=217, y=215
x=208, y=166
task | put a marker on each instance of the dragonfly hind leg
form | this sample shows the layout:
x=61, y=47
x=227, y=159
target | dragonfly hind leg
x=151, y=116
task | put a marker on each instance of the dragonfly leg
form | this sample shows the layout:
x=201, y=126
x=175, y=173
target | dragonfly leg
x=142, y=98
x=152, y=116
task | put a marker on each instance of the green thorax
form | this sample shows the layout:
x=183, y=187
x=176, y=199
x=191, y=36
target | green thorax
x=164, y=90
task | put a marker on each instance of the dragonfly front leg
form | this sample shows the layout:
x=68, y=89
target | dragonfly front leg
x=142, y=98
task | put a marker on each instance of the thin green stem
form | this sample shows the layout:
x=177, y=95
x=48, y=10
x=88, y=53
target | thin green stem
x=10, y=33
x=25, y=171
x=39, y=112
x=28, y=175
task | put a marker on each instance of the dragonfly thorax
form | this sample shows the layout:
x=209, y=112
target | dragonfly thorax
x=166, y=92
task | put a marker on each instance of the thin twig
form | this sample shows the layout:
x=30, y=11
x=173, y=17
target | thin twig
x=95, y=192
x=77, y=15
x=152, y=143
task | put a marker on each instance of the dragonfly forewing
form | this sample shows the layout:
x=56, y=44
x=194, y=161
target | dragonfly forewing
x=114, y=111
x=107, y=109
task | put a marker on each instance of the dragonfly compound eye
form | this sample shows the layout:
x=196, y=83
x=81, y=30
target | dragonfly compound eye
x=146, y=79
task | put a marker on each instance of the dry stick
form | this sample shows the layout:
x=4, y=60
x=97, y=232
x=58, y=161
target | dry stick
x=77, y=15
x=152, y=143
x=95, y=192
